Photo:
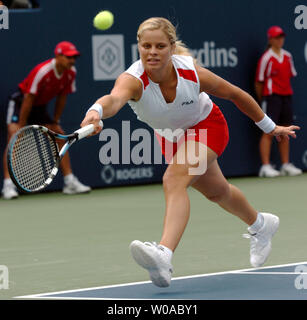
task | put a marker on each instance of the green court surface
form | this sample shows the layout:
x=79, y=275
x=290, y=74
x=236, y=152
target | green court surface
x=54, y=242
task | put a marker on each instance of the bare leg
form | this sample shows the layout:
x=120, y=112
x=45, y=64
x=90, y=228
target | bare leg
x=265, y=145
x=216, y=188
x=11, y=130
x=284, y=147
x=65, y=163
x=176, y=180
x=5, y=169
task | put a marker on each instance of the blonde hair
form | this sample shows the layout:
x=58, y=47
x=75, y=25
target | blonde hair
x=158, y=23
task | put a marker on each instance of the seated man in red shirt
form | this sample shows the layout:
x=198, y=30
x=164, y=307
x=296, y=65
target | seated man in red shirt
x=49, y=79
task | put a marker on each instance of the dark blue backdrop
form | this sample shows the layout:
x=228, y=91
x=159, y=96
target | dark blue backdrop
x=233, y=33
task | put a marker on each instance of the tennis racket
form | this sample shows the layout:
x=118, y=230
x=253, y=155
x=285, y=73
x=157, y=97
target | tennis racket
x=33, y=156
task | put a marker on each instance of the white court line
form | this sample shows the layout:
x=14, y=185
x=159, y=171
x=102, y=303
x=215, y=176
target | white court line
x=240, y=271
x=277, y=273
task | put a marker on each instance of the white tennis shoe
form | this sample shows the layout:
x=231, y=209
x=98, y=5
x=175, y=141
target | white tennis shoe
x=75, y=186
x=152, y=257
x=261, y=242
x=288, y=169
x=268, y=171
x=9, y=191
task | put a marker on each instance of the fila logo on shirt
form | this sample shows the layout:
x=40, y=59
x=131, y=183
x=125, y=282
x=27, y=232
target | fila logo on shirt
x=186, y=103
x=300, y=21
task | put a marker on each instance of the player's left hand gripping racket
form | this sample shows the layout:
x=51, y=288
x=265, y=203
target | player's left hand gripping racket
x=33, y=156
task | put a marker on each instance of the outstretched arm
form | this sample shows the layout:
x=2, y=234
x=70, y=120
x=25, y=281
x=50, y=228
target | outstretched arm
x=215, y=85
x=126, y=88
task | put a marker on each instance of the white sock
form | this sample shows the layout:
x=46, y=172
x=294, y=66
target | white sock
x=257, y=225
x=68, y=178
x=267, y=165
x=7, y=182
x=168, y=251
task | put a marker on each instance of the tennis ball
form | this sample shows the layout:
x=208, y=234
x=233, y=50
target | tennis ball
x=103, y=20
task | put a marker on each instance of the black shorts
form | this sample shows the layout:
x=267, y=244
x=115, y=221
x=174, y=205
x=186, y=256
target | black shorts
x=278, y=108
x=38, y=114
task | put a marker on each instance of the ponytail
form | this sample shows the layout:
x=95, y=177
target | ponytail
x=181, y=49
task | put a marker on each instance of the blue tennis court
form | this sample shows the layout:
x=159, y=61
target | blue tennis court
x=282, y=282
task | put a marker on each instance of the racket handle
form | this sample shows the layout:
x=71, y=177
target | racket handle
x=87, y=130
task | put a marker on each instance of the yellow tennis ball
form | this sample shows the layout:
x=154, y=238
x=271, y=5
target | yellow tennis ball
x=103, y=20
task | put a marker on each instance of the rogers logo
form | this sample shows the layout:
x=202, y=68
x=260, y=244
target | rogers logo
x=109, y=174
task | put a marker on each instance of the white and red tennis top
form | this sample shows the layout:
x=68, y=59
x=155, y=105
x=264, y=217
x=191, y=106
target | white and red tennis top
x=188, y=108
x=276, y=72
x=46, y=83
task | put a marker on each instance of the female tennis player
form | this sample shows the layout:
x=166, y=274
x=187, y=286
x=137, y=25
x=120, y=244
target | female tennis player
x=168, y=90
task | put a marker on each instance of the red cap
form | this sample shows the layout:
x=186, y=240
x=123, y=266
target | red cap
x=275, y=31
x=67, y=49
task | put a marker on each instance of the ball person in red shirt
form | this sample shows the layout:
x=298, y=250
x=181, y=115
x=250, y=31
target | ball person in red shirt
x=273, y=89
x=28, y=105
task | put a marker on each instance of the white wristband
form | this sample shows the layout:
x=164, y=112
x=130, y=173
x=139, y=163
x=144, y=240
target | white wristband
x=97, y=107
x=267, y=125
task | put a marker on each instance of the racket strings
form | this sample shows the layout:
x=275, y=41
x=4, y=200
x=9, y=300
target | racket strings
x=33, y=157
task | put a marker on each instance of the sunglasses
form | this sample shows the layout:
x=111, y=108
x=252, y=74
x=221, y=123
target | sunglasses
x=72, y=57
